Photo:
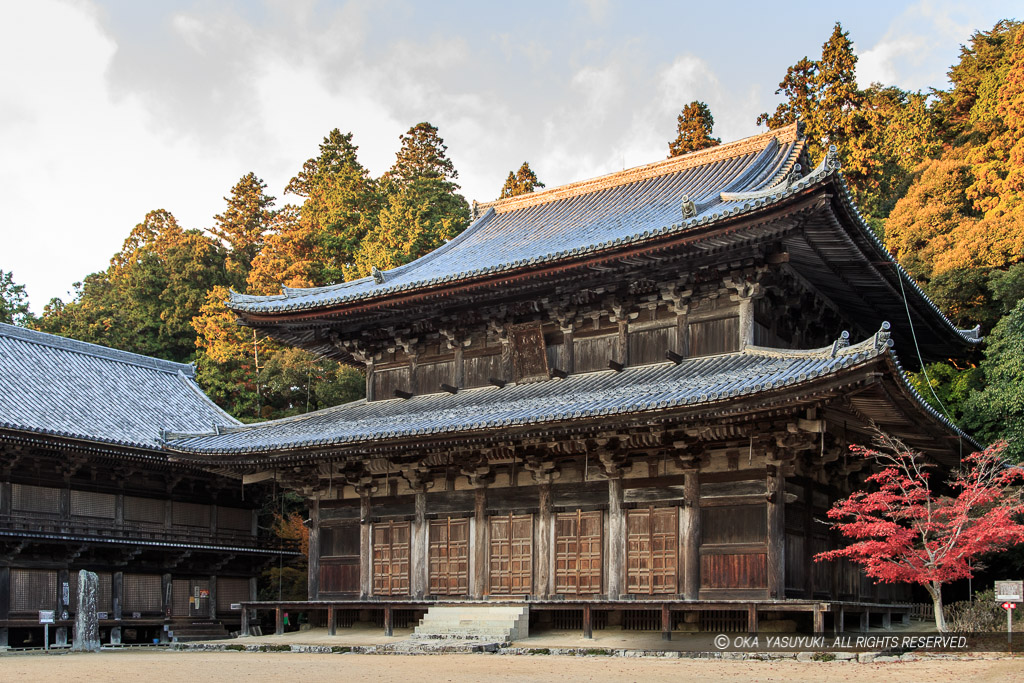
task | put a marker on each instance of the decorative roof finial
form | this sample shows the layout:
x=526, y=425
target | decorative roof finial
x=689, y=208
x=378, y=275
x=832, y=162
x=474, y=211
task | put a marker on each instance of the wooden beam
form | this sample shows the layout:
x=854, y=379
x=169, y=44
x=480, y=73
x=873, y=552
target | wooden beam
x=279, y=621
x=389, y=619
x=365, y=547
x=616, y=540
x=752, y=618
x=819, y=619
x=418, y=547
x=588, y=623
x=543, y=556
x=479, y=580
x=313, y=574
x=776, y=538
x=666, y=622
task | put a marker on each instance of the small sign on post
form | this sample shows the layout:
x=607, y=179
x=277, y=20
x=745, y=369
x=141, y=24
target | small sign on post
x=46, y=617
x=1010, y=592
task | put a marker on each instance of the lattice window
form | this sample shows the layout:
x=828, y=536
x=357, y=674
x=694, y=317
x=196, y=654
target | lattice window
x=578, y=545
x=33, y=590
x=231, y=591
x=41, y=499
x=142, y=593
x=511, y=555
x=92, y=504
x=448, y=556
x=652, y=550
x=391, y=558
x=234, y=519
x=191, y=514
x=144, y=510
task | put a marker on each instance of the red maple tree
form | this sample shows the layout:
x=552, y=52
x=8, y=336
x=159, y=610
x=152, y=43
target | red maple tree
x=908, y=530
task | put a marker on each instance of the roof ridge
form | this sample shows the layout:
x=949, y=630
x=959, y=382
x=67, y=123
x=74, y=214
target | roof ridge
x=652, y=170
x=96, y=350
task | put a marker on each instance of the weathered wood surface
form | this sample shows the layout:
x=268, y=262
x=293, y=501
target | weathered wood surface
x=579, y=543
x=511, y=555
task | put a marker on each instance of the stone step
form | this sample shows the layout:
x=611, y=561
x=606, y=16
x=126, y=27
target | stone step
x=497, y=623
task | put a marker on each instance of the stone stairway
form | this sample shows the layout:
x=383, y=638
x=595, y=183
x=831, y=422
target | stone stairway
x=185, y=632
x=465, y=629
x=488, y=623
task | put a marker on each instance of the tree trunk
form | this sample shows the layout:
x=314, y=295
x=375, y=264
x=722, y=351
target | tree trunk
x=935, y=591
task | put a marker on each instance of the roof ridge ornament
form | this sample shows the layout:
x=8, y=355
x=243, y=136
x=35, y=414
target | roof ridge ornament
x=832, y=162
x=841, y=343
x=883, y=339
x=378, y=275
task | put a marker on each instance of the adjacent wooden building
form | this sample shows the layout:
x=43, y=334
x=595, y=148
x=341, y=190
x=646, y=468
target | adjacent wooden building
x=84, y=484
x=626, y=397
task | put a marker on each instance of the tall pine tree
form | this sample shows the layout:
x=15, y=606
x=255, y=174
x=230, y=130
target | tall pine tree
x=693, y=130
x=523, y=181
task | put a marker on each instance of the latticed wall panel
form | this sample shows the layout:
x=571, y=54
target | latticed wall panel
x=234, y=519
x=230, y=591
x=33, y=589
x=39, y=499
x=190, y=514
x=142, y=593
x=104, y=591
x=92, y=504
x=145, y=511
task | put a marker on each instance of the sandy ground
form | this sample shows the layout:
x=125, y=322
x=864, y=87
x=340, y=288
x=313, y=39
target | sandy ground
x=196, y=667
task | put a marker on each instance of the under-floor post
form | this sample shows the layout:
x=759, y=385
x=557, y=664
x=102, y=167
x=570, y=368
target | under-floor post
x=887, y=619
x=865, y=621
x=839, y=619
x=819, y=619
x=388, y=621
x=278, y=621
x=332, y=622
x=666, y=622
x=588, y=623
x=751, y=618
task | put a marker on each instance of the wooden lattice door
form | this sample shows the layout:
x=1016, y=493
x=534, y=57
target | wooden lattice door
x=511, y=556
x=391, y=558
x=578, y=545
x=449, y=556
x=652, y=550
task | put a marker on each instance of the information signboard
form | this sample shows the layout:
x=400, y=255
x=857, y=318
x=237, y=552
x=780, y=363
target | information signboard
x=1009, y=590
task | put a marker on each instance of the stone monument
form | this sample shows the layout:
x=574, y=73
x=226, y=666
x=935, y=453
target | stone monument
x=87, y=624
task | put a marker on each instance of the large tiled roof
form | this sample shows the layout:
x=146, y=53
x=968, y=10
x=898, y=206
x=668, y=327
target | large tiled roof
x=657, y=387
x=67, y=388
x=570, y=221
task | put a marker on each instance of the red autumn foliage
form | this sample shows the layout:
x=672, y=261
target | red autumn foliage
x=292, y=528
x=909, y=529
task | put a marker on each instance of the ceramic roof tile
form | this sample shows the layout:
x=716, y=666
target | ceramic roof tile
x=64, y=387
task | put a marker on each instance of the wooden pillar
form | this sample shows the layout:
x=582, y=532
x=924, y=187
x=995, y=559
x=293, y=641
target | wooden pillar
x=365, y=546
x=683, y=331
x=809, y=586
x=370, y=394
x=616, y=542
x=167, y=590
x=905, y=618
x=691, y=535
x=543, y=556
x=117, y=598
x=588, y=622
x=752, y=618
x=666, y=622
x=459, y=378
x=212, y=606
x=776, y=534
x=418, y=546
x=865, y=621
x=568, y=349
x=623, y=342
x=414, y=383
x=839, y=619
x=819, y=619
x=887, y=620
x=479, y=582
x=5, y=595
x=746, y=322
x=278, y=621
x=313, y=573
x=244, y=629
x=332, y=621
x=389, y=620
x=119, y=509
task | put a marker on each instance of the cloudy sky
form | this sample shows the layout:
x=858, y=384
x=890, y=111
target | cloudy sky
x=111, y=108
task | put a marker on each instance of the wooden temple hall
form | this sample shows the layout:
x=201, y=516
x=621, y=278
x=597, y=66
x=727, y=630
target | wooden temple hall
x=625, y=401
x=85, y=484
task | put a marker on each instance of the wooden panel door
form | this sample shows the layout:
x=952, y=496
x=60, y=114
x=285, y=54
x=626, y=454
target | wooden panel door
x=652, y=551
x=391, y=558
x=448, y=557
x=578, y=558
x=339, y=558
x=511, y=555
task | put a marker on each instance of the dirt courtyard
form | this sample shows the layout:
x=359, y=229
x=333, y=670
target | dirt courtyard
x=152, y=666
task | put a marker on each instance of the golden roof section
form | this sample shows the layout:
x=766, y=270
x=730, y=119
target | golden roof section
x=756, y=143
